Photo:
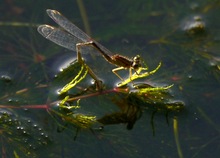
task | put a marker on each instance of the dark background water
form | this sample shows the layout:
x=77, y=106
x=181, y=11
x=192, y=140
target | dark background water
x=184, y=35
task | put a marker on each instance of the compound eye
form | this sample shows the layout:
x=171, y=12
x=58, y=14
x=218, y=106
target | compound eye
x=136, y=57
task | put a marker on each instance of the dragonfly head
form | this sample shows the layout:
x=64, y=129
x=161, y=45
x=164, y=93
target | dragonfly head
x=136, y=62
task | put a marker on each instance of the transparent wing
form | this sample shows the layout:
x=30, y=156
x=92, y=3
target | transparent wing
x=58, y=36
x=72, y=29
x=67, y=25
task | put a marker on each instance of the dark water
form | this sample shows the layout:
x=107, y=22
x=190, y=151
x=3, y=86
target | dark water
x=183, y=35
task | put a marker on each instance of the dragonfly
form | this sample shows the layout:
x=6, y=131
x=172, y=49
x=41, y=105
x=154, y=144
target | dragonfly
x=73, y=38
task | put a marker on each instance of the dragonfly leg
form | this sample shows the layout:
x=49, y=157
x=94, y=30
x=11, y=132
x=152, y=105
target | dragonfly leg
x=98, y=82
x=79, y=56
x=115, y=72
x=130, y=74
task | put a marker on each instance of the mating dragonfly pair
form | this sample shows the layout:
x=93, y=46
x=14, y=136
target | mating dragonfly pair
x=73, y=38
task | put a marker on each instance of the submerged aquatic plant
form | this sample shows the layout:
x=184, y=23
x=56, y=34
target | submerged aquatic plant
x=130, y=100
x=20, y=137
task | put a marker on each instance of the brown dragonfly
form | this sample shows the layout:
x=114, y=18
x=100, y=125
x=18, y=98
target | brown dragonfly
x=71, y=37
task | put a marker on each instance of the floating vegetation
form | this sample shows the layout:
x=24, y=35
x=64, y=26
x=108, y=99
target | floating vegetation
x=20, y=137
x=131, y=102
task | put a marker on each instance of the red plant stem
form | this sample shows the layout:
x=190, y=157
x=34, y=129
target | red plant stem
x=43, y=106
x=115, y=90
x=47, y=106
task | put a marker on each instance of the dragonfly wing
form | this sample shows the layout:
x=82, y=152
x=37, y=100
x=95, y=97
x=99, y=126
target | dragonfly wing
x=72, y=29
x=67, y=25
x=59, y=36
x=70, y=36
